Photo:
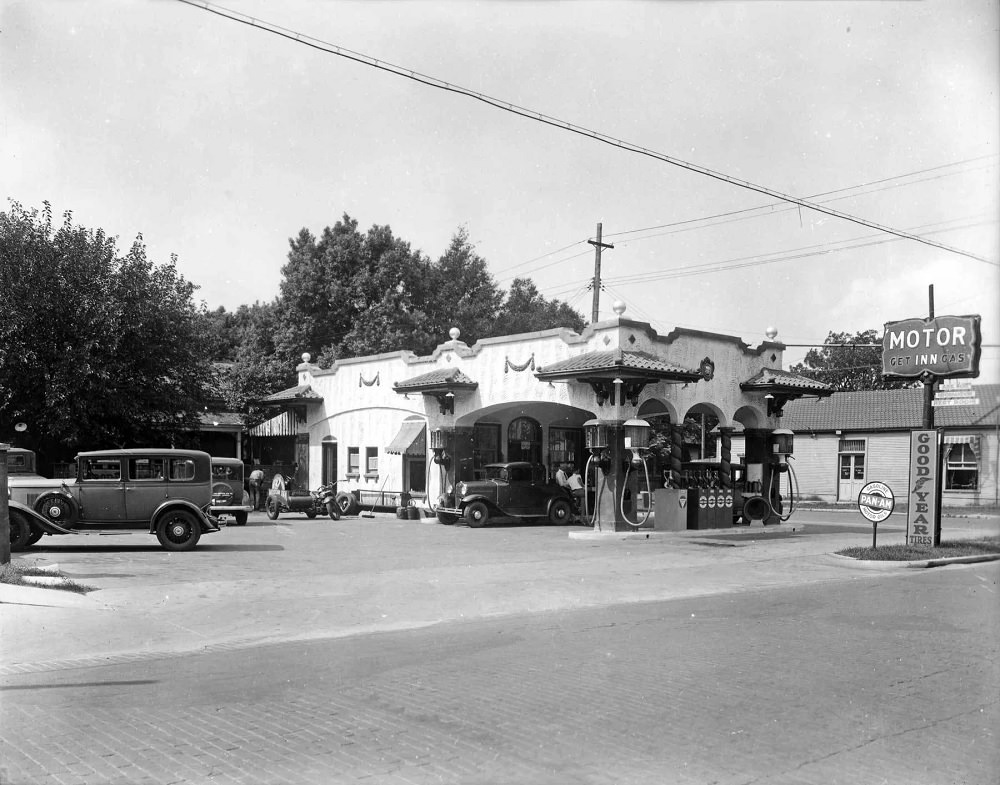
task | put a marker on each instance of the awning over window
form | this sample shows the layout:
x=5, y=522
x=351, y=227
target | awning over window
x=955, y=438
x=411, y=439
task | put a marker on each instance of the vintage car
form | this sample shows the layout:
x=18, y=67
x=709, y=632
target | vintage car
x=518, y=490
x=229, y=497
x=166, y=492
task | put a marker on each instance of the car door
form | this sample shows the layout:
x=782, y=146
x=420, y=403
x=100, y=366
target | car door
x=146, y=487
x=522, y=493
x=101, y=490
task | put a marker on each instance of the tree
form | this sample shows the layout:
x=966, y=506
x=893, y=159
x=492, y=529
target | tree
x=461, y=293
x=96, y=349
x=345, y=293
x=849, y=362
x=525, y=310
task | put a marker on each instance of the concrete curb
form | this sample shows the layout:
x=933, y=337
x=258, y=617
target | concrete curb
x=50, y=597
x=687, y=534
x=875, y=564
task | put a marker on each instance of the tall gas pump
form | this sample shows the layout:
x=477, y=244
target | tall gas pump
x=617, y=450
x=637, y=443
x=767, y=459
x=442, y=460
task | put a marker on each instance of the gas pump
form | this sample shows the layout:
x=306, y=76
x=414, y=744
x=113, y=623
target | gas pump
x=439, y=446
x=637, y=442
x=596, y=440
x=782, y=442
x=763, y=479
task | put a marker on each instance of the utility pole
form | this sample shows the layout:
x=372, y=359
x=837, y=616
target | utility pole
x=927, y=378
x=598, y=245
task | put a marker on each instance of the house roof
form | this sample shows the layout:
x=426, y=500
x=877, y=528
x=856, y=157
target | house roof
x=876, y=410
x=617, y=362
x=301, y=394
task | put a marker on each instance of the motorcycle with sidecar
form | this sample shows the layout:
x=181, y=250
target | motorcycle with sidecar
x=283, y=496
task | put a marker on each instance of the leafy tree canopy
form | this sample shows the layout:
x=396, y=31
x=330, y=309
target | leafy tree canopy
x=97, y=349
x=847, y=364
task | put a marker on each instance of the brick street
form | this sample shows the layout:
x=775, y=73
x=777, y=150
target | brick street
x=844, y=676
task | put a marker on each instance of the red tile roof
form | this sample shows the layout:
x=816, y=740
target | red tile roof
x=616, y=361
x=449, y=377
x=301, y=394
x=785, y=381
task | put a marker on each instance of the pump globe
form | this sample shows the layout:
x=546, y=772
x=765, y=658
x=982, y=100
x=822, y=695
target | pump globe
x=771, y=332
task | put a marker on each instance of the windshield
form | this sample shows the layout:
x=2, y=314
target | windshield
x=496, y=473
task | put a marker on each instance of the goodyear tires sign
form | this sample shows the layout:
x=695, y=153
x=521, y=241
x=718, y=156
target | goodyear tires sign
x=943, y=346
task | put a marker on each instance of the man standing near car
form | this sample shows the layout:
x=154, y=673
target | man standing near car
x=256, y=488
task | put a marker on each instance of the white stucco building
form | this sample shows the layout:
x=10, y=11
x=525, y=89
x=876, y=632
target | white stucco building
x=373, y=423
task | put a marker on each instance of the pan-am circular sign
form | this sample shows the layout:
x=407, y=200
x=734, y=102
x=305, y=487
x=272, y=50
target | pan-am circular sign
x=876, y=501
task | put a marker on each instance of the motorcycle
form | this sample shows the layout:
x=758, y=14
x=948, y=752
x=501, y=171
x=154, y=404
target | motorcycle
x=284, y=497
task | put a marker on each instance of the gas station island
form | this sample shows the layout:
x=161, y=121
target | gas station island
x=612, y=400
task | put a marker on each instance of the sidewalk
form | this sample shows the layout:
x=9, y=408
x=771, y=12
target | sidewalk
x=296, y=579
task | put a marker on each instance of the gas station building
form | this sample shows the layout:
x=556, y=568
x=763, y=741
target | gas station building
x=398, y=426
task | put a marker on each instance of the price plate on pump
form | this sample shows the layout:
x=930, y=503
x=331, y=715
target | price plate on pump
x=876, y=501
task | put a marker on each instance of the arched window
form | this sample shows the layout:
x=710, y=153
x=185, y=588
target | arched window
x=524, y=440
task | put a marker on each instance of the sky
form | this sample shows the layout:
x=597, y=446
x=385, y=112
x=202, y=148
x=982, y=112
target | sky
x=219, y=141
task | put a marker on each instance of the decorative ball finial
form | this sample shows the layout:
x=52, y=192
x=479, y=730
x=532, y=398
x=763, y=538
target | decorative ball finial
x=306, y=357
x=618, y=306
x=771, y=333
x=454, y=332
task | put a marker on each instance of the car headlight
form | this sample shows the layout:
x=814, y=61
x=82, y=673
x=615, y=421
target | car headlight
x=462, y=488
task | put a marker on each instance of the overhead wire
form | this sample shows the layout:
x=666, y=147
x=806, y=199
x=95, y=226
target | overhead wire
x=506, y=106
x=756, y=260
x=770, y=207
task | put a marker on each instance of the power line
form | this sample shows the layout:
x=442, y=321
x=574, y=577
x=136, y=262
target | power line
x=756, y=260
x=744, y=214
x=816, y=196
x=561, y=124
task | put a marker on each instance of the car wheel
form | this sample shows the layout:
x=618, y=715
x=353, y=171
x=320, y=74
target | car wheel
x=241, y=519
x=20, y=532
x=58, y=509
x=560, y=511
x=178, y=530
x=333, y=511
x=271, y=508
x=347, y=503
x=35, y=536
x=311, y=514
x=477, y=514
x=446, y=518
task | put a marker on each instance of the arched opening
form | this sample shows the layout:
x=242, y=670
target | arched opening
x=524, y=440
x=701, y=434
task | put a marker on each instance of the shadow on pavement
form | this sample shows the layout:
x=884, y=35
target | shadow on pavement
x=202, y=548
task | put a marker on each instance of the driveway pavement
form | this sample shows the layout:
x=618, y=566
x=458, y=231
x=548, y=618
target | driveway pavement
x=296, y=579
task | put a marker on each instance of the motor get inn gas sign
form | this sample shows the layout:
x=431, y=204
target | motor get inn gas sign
x=943, y=346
